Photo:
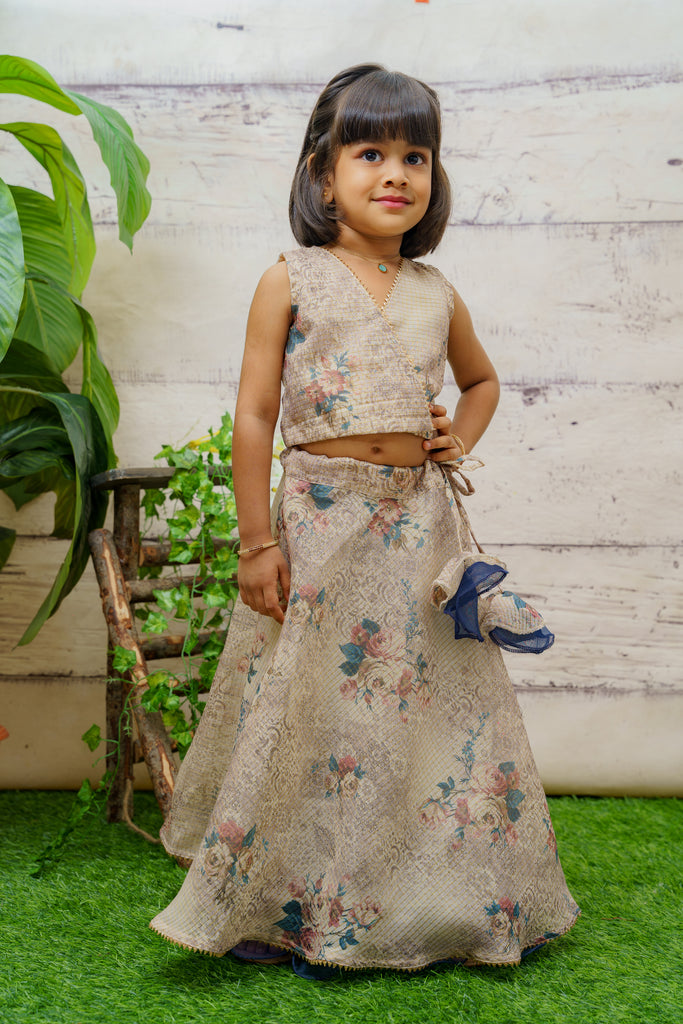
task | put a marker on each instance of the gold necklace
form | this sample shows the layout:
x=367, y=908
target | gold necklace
x=381, y=266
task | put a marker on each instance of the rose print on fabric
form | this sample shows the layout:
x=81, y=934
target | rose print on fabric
x=343, y=778
x=249, y=663
x=231, y=855
x=305, y=506
x=379, y=671
x=329, y=388
x=296, y=335
x=306, y=606
x=317, y=918
x=506, y=921
x=485, y=801
x=393, y=525
x=551, y=841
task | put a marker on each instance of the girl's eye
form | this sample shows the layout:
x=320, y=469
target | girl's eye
x=371, y=155
x=415, y=159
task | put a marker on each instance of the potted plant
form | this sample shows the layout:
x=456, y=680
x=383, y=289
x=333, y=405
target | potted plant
x=50, y=438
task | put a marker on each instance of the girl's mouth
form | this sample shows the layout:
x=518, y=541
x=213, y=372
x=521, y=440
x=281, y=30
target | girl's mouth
x=392, y=202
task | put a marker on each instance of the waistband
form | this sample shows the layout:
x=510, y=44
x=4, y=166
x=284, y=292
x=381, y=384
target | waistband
x=364, y=477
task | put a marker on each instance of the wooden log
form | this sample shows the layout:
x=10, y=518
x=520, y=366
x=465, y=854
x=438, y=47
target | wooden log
x=127, y=529
x=171, y=646
x=155, y=476
x=119, y=756
x=156, y=552
x=154, y=742
x=138, y=591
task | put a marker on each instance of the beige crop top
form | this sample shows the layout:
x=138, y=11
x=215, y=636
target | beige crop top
x=351, y=368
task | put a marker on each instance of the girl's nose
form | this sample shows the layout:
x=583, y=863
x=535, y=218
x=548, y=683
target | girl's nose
x=395, y=175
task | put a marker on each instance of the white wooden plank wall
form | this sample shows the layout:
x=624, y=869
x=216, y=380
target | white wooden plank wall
x=562, y=127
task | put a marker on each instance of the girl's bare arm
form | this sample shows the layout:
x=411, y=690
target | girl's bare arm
x=479, y=388
x=258, y=405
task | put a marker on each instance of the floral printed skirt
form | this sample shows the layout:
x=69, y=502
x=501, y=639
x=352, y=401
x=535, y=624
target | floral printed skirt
x=360, y=789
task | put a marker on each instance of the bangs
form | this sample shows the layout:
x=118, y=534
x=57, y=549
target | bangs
x=387, y=105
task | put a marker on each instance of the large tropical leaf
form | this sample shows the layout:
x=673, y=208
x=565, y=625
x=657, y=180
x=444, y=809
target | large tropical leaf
x=89, y=448
x=128, y=165
x=48, y=320
x=28, y=463
x=7, y=539
x=25, y=367
x=45, y=251
x=97, y=384
x=41, y=428
x=28, y=78
x=71, y=201
x=40, y=431
x=11, y=267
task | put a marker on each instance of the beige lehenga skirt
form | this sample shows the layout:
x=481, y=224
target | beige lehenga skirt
x=360, y=789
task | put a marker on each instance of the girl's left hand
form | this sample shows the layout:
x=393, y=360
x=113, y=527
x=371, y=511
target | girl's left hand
x=443, y=447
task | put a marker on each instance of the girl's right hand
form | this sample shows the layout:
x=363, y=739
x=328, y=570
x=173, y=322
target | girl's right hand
x=263, y=579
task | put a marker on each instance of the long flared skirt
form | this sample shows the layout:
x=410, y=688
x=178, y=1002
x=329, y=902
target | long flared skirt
x=360, y=789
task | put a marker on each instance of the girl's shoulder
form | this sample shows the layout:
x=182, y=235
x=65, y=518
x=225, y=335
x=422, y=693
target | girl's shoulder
x=430, y=276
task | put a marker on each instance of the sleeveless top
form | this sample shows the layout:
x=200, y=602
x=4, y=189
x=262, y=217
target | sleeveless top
x=351, y=368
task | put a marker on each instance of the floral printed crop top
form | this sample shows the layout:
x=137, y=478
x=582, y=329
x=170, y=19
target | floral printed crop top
x=352, y=368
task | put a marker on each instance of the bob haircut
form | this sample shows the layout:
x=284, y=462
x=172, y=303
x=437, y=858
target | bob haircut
x=367, y=103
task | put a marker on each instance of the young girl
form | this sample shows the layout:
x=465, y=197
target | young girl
x=360, y=791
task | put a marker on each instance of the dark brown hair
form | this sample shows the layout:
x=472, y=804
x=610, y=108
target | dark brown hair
x=368, y=103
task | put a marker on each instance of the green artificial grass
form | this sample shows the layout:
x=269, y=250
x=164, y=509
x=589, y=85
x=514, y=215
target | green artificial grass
x=75, y=946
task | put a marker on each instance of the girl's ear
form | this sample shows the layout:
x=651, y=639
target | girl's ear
x=309, y=166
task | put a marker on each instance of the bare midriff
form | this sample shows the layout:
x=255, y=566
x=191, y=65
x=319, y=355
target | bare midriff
x=383, y=449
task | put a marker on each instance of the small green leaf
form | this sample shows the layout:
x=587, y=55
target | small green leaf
x=155, y=623
x=167, y=599
x=155, y=679
x=123, y=659
x=93, y=737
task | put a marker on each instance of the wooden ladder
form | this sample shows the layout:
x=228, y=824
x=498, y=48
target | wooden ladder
x=118, y=558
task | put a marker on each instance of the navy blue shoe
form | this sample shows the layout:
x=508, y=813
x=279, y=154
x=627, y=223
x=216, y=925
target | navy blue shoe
x=313, y=972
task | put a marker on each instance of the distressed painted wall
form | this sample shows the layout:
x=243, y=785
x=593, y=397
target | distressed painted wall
x=565, y=152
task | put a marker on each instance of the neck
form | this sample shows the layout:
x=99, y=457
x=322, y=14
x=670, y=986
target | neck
x=369, y=247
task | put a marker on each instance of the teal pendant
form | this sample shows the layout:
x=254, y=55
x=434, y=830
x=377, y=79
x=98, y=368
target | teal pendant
x=380, y=266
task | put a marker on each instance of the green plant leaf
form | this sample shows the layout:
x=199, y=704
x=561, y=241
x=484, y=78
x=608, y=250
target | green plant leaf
x=26, y=368
x=93, y=737
x=49, y=319
x=25, y=464
x=123, y=659
x=52, y=312
x=40, y=431
x=89, y=448
x=11, y=267
x=41, y=428
x=70, y=196
x=128, y=165
x=7, y=539
x=19, y=75
x=97, y=384
x=155, y=623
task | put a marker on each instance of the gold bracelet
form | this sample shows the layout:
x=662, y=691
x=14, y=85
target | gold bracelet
x=256, y=547
x=459, y=443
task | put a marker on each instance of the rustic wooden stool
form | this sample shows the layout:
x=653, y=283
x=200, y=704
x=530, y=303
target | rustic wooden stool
x=117, y=558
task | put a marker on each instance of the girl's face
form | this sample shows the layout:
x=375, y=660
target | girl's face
x=382, y=188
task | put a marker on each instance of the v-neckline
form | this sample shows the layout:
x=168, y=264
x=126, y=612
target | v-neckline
x=381, y=309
